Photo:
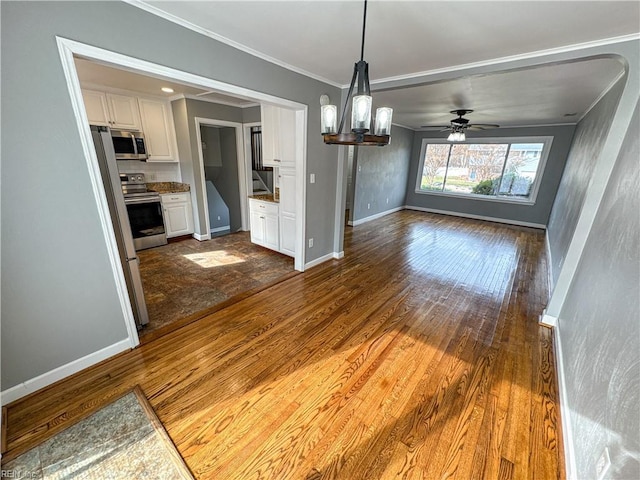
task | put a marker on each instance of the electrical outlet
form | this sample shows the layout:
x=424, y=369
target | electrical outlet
x=359, y=168
x=311, y=243
x=387, y=201
x=312, y=178
x=368, y=206
x=603, y=464
x=218, y=217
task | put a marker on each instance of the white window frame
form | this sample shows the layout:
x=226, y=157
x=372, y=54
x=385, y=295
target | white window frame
x=531, y=200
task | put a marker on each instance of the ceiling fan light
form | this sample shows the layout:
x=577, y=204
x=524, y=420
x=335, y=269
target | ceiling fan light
x=457, y=136
x=329, y=119
x=383, y=121
x=361, y=113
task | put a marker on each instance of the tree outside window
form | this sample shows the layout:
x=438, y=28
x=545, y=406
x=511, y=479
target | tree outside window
x=499, y=169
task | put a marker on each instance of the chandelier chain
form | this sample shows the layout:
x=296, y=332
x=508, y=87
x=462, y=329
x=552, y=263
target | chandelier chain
x=364, y=25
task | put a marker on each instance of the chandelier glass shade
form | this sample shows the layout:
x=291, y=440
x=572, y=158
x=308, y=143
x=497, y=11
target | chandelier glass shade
x=361, y=110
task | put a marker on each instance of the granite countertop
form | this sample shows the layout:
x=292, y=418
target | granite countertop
x=265, y=197
x=168, y=187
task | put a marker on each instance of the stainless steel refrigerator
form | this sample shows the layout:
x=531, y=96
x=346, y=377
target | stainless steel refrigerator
x=120, y=220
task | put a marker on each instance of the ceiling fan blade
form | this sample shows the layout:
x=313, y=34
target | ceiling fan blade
x=482, y=126
x=447, y=127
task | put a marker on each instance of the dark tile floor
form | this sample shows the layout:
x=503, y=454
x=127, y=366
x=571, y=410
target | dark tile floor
x=188, y=276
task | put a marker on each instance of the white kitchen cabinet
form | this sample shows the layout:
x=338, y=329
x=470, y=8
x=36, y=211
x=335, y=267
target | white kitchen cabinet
x=95, y=104
x=287, y=186
x=278, y=136
x=159, y=131
x=178, y=214
x=264, y=223
x=112, y=110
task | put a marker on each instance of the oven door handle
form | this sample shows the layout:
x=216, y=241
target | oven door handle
x=137, y=200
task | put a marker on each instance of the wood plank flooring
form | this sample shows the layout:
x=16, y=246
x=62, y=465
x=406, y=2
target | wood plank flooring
x=417, y=356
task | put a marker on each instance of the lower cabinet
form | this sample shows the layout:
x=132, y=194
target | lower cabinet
x=288, y=234
x=264, y=223
x=178, y=214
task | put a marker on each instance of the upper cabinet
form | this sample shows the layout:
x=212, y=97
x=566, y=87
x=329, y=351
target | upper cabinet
x=159, y=131
x=112, y=110
x=151, y=116
x=278, y=136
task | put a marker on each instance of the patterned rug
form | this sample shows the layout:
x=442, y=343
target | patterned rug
x=124, y=440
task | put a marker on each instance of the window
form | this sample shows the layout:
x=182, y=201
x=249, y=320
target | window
x=498, y=169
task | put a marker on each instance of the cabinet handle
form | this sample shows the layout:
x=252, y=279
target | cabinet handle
x=276, y=160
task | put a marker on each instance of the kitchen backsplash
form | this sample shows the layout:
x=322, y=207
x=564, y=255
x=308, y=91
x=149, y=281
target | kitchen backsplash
x=153, y=171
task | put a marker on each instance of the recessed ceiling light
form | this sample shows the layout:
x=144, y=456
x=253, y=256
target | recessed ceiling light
x=167, y=90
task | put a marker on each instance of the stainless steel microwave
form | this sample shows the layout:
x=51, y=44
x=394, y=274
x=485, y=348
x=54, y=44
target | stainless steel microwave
x=129, y=145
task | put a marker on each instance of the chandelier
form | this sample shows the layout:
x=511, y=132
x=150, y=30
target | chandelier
x=360, y=110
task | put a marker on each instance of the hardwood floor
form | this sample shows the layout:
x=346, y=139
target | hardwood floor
x=417, y=356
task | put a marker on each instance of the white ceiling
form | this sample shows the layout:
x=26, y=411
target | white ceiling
x=408, y=38
x=95, y=75
x=403, y=37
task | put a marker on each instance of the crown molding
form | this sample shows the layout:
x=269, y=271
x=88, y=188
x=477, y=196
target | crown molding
x=426, y=73
x=227, y=41
x=602, y=94
x=511, y=58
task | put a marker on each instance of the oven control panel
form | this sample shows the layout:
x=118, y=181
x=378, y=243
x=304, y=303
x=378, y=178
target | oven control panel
x=132, y=178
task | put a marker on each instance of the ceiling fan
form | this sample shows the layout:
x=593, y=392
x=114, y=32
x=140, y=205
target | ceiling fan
x=458, y=126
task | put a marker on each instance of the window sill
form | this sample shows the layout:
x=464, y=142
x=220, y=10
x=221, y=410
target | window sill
x=484, y=198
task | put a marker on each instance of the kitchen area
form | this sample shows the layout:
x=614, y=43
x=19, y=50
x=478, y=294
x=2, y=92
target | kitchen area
x=177, y=262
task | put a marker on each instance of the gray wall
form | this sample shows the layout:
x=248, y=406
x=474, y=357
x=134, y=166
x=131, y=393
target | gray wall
x=217, y=208
x=212, y=161
x=59, y=299
x=211, y=156
x=380, y=175
x=251, y=114
x=226, y=177
x=585, y=151
x=221, y=168
x=189, y=156
x=535, y=214
x=600, y=325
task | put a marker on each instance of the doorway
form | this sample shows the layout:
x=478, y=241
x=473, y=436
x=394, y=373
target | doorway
x=68, y=49
x=219, y=151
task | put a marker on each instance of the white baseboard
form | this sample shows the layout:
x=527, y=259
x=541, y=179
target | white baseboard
x=374, y=217
x=547, y=248
x=548, y=320
x=324, y=258
x=220, y=229
x=565, y=411
x=25, y=388
x=201, y=238
x=478, y=217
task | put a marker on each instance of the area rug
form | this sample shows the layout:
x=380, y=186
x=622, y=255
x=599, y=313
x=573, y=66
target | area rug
x=123, y=440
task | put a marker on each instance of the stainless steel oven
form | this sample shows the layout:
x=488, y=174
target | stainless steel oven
x=145, y=212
